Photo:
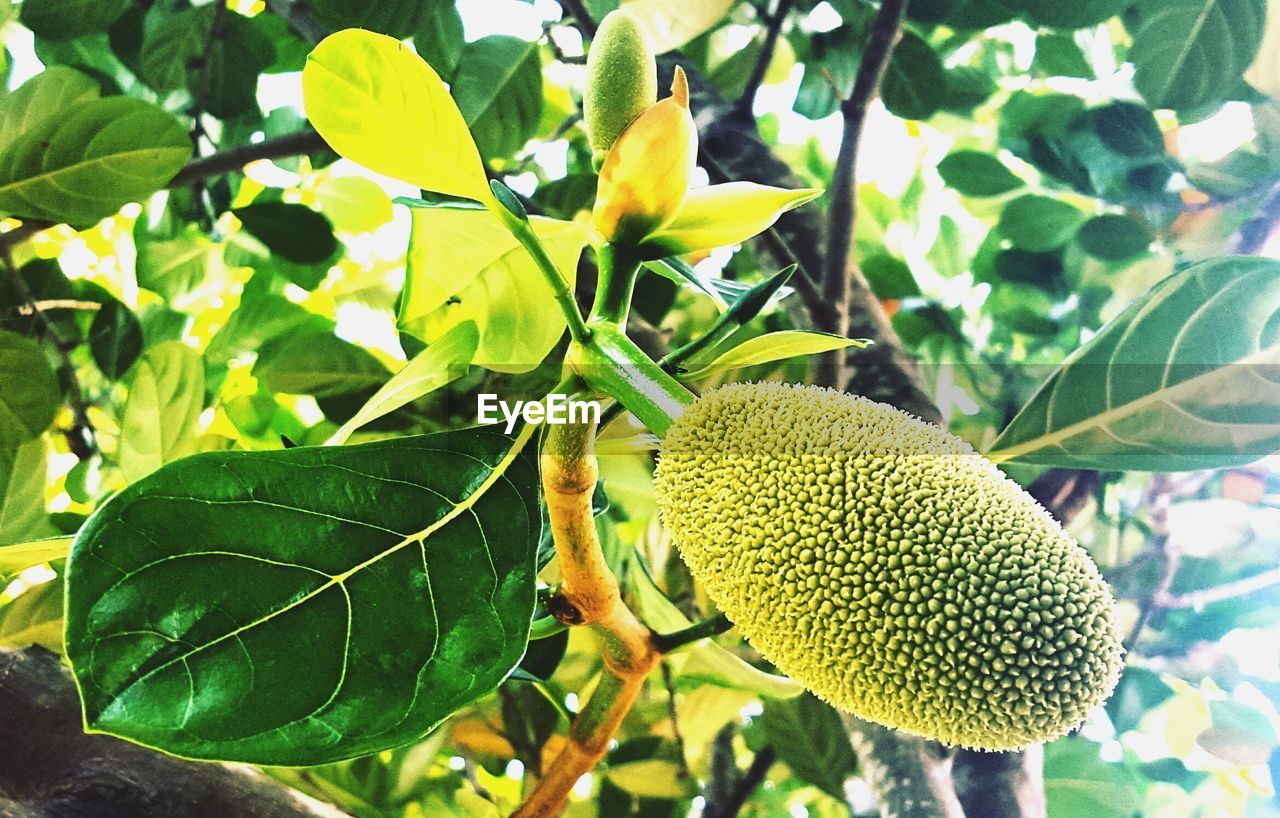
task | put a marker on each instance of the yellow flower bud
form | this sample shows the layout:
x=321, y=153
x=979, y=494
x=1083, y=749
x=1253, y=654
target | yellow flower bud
x=646, y=173
x=622, y=80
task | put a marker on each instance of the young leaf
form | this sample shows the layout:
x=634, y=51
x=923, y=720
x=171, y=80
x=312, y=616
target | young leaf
x=1186, y=378
x=464, y=265
x=302, y=606
x=377, y=103
x=90, y=159
x=429, y=370
x=774, y=346
x=166, y=394
x=29, y=393
x=669, y=24
x=22, y=555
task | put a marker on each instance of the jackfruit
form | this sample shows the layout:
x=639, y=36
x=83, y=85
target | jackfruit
x=622, y=80
x=882, y=563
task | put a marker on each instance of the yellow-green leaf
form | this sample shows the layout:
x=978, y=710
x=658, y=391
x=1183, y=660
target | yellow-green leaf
x=464, y=265
x=23, y=555
x=721, y=215
x=34, y=618
x=774, y=346
x=429, y=370
x=166, y=394
x=670, y=24
x=379, y=104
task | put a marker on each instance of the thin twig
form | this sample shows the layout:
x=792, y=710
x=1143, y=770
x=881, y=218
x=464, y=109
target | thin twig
x=233, y=159
x=841, y=276
x=27, y=310
x=682, y=762
x=747, y=784
x=773, y=27
x=581, y=17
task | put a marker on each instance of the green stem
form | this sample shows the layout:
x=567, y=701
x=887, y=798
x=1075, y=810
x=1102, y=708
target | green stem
x=716, y=625
x=523, y=231
x=611, y=364
x=618, y=271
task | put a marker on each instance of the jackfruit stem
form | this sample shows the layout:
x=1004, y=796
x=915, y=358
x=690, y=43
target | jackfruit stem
x=618, y=271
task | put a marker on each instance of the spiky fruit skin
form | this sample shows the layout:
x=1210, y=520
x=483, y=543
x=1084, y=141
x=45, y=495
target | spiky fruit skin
x=622, y=80
x=882, y=563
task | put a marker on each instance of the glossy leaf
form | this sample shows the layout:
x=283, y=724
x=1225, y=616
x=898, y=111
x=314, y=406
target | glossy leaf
x=23, y=471
x=1191, y=53
x=82, y=161
x=303, y=606
x=975, y=173
x=438, y=364
x=29, y=393
x=1186, y=378
x=464, y=265
x=774, y=346
x=377, y=103
x=669, y=24
x=914, y=85
x=498, y=86
x=166, y=394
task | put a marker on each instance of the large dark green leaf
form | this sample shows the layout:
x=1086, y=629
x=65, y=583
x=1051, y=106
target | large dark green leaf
x=69, y=157
x=1191, y=53
x=307, y=605
x=498, y=87
x=1186, y=378
x=115, y=338
x=915, y=84
x=29, y=394
x=220, y=71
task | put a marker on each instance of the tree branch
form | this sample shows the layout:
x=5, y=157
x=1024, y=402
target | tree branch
x=842, y=280
x=910, y=776
x=746, y=785
x=581, y=17
x=1219, y=593
x=773, y=28
x=49, y=766
x=234, y=159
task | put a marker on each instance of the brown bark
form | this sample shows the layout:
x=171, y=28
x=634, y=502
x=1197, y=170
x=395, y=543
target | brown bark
x=49, y=767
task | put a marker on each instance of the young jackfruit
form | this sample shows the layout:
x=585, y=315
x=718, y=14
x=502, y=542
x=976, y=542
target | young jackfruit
x=882, y=563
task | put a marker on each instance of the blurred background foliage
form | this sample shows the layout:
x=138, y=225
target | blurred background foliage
x=1030, y=169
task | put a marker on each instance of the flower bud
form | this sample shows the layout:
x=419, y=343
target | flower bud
x=646, y=172
x=622, y=80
